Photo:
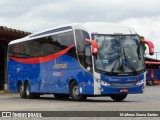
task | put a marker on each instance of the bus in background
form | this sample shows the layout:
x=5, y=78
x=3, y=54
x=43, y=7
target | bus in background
x=153, y=73
x=78, y=61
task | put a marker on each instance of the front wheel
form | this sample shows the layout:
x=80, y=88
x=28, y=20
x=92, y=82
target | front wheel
x=150, y=82
x=118, y=97
x=74, y=92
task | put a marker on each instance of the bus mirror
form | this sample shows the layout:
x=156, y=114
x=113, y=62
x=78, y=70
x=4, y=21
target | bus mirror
x=94, y=46
x=150, y=45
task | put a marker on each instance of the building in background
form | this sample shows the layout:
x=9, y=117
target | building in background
x=7, y=35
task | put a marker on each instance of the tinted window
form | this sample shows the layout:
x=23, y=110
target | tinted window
x=43, y=46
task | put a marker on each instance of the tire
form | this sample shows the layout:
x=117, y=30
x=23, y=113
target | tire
x=150, y=82
x=36, y=95
x=29, y=95
x=61, y=96
x=74, y=92
x=21, y=91
x=118, y=97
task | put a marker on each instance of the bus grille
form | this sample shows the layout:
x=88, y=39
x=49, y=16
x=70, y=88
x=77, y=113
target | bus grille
x=119, y=85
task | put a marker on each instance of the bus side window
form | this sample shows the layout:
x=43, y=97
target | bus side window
x=81, y=37
x=88, y=58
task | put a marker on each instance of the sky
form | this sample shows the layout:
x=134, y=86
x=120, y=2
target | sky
x=36, y=15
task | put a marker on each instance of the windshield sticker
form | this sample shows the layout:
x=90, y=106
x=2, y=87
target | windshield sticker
x=96, y=37
x=134, y=60
x=105, y=61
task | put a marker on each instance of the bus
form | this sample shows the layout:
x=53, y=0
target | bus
x=153, y=73
x=78, y=60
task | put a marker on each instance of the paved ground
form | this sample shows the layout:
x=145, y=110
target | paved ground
x=149, y=101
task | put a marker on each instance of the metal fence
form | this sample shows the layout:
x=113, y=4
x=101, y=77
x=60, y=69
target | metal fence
x=155, y=56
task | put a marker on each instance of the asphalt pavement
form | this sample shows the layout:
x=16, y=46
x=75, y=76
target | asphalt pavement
x=148, y=101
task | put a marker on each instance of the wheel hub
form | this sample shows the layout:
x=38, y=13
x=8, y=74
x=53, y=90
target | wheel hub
x=76, y=91
x=27, y=91
x=21, y=89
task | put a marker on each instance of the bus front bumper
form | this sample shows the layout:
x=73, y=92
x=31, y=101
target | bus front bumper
x=106, y=90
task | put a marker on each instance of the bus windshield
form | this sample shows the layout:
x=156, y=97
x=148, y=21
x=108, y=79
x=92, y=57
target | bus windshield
x=119, y=54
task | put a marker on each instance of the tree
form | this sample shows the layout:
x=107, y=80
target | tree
x=143, y=45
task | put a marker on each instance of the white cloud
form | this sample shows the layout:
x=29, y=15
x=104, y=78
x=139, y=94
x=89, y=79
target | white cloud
x=147, y=27
x=35, y=15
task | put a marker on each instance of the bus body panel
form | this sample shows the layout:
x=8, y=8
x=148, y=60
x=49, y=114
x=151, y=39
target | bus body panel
x=21, y=72
x=45, y=78
x=126, y=82
x=50, y=77
x=153, y=75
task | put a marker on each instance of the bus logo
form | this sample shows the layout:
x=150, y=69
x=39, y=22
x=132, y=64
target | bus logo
x=59, y=65
x=57, y=74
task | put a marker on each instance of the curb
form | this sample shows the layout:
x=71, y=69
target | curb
x=4, y=91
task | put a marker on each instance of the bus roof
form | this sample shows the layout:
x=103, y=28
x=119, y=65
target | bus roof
x=91, y=27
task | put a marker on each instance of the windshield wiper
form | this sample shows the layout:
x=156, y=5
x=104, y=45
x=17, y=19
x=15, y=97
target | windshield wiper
x=126, y=59
x=114, y=66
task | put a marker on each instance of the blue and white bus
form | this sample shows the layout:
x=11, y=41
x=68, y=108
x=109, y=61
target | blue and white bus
x=153, y=73
x=78, y=60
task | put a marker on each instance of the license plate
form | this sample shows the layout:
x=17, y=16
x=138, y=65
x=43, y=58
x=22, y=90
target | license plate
x=123, y=90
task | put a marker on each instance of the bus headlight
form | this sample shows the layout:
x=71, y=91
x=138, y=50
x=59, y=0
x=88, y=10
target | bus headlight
x=102, y=82
x=140, y=82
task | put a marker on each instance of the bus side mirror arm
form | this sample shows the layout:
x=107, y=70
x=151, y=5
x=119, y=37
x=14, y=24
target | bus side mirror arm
x=94, y=48
x=150, y=45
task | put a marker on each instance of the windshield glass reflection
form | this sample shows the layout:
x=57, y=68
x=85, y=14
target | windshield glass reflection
x=119, y=53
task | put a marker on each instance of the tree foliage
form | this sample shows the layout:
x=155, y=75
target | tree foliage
x=143, y=45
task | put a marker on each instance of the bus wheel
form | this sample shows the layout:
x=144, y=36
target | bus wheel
x=36, y=95
x=74, y=92
x=21, y=91
x=118, y=97
x=150, y=82
x=61, y=96
x=28, y=93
